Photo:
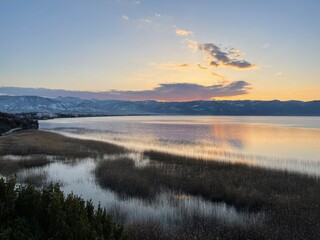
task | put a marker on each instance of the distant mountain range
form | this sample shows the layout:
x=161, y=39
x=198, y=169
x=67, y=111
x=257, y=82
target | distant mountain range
x=77, y=106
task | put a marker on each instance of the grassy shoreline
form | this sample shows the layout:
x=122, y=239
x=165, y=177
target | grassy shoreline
x=32, y=142
x=290, y=200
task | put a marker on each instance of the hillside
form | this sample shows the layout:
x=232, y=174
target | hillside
x=77, y=106
x=9, y=122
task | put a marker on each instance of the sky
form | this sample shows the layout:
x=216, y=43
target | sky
x=165, y=50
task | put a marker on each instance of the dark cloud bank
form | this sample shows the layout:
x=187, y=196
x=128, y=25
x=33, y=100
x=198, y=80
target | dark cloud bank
x=228, y=58
x=166, y=92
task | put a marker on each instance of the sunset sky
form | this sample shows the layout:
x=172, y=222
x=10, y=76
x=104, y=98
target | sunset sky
x=166, y=50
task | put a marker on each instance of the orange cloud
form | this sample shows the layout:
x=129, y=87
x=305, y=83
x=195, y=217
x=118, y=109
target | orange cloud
x=182, y=32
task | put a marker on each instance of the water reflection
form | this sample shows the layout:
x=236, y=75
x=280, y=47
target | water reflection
x=168, y=209
x=289, y=143
x=229, y=136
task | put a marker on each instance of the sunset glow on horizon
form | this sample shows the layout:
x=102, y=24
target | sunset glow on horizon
x=162, y=50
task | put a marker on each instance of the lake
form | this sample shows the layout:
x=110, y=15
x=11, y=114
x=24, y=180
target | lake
x=283, y=143
x=286, y=143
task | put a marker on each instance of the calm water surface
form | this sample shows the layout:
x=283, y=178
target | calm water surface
x=168, y=209
x=286, y=143
x=289, y=143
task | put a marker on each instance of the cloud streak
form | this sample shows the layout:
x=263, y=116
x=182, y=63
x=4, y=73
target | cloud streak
x=217, y=75
x=172, y=65
x=229, y=58
x=179, y=66
x=164, y=92
x=125, y=17
x=181, y=32
x=201, y=67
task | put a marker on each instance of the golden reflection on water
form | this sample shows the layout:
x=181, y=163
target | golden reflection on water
x=273, y=145
x=268, y=140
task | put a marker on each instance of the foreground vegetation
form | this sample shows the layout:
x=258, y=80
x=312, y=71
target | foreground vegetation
x=9, y=121
x=38, y=148
x=289, y=201
x=30, y=213
x=31, y=143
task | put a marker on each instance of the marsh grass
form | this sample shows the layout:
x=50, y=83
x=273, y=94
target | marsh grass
x=290, y=201
x=10, y=166
x=195, y=227
x=32, y=142
x=122, y=176
x=237, y=184
x=28, y=149
x=38, y=179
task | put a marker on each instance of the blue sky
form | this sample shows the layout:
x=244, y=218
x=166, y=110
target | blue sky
x=131, y=45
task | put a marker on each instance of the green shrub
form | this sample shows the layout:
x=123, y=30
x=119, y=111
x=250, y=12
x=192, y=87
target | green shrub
x=31, y=213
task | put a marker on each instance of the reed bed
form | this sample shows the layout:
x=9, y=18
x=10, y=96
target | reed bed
x=289, y=200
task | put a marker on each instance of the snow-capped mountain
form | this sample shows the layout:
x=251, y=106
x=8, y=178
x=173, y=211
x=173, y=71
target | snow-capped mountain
x=77, y=106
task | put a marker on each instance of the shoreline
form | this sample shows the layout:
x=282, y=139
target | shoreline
x=284, y=197
x=173, y=115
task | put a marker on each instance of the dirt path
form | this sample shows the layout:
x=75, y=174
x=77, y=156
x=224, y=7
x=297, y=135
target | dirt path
x=11, y=131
